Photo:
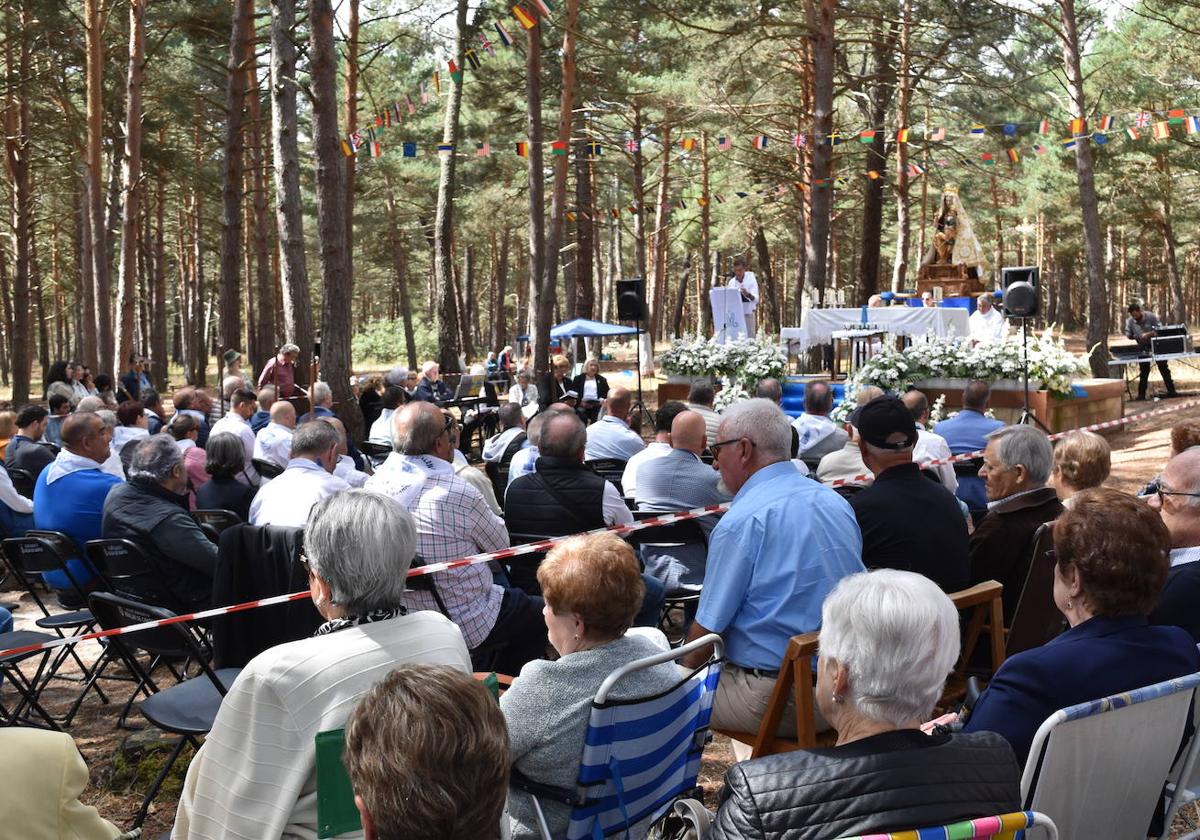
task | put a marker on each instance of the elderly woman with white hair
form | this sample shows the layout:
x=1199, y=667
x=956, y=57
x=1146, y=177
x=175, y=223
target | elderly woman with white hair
x=525, y=394
x=255, y=776
x=888, y=641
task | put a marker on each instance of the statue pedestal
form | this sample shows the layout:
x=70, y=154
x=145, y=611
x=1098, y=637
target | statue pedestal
x=953, y=279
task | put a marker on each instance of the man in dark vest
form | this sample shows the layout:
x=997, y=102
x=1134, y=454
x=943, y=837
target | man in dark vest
x=565, y=496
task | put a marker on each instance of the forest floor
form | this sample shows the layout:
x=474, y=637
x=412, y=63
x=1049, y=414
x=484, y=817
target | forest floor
x=123, y=763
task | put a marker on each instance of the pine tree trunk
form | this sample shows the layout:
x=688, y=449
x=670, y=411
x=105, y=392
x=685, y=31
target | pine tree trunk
x=351, y=123
x=468, y=316
x=443, y=233
x=877, y=154
x=769, y=292
x=400, y=270
x=331, y=218
x=127, y=278
x=297, y=303
x=1097, y=287
x=585, y=234
x=540, y=313
x=101, y=315
x=264, y=279
x=903, y=216
x=158, y=326
x=18, y=147
x=820, y=14
x=500, y=284
x=230, y=308
x=705, y=240
x=658, y=242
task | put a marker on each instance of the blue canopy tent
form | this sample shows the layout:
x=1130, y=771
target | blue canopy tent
x=583, y=328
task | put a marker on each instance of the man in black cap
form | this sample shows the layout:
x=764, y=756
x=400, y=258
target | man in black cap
x=908, y=521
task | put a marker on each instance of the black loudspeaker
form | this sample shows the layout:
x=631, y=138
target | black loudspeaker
x=631, y=299
x=1020, y=286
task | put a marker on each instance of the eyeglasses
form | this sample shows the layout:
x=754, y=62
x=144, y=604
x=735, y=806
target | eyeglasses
x=715, y=448
x=1162, y=494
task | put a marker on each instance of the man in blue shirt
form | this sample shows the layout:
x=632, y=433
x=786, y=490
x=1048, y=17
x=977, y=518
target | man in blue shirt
x=967, y=431
x=611, y=437
x=781, y=548
x=69, y=496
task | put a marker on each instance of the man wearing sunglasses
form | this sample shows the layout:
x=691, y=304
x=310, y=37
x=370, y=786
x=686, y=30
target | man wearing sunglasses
x=1177, y=501
x=782, y=547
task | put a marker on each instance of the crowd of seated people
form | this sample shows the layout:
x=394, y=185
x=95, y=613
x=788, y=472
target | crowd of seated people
x=790, y=556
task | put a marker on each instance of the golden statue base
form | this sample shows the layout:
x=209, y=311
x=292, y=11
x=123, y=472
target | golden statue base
x=953, y=279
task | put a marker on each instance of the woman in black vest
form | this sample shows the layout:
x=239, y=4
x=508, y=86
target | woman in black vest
x=592, y=389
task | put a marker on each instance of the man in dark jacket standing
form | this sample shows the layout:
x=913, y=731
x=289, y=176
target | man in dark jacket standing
x=1016, y=465
x=151, y=510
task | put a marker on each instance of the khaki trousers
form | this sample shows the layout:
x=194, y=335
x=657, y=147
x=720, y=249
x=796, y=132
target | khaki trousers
x=741, y=702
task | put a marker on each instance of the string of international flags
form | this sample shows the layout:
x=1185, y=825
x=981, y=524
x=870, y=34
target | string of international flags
x=1157, y=125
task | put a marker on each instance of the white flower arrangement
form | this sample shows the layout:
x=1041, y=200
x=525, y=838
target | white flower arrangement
x=740, y=365
x=1051, y=365
x=938, y=412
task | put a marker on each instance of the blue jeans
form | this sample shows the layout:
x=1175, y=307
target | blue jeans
x=13, y=524
x=651, y=603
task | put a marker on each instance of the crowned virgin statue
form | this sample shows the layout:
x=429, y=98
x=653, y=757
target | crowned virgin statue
x=954, y=241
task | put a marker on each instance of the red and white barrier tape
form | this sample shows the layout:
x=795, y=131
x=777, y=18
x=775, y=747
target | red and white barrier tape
x=429, y=569
x=526, y=548
x=967, y=456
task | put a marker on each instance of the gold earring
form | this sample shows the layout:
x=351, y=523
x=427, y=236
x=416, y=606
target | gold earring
x=1070, y=604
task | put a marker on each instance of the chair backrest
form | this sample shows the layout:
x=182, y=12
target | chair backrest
x=1036, y=619
x=848, y=490
x=1098, y=768
x=132, y=571
x=1034, y=824
x=375, y=451
x=968, y=468
x=23, y=481
x=267, y=469
x=43, y=551
x=173, y=641
x=522, y=569
x=613, y=469
x=640, y=754
x=687, y=532
x=218, y=520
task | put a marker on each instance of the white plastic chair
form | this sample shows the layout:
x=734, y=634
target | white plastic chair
x=1098, y=768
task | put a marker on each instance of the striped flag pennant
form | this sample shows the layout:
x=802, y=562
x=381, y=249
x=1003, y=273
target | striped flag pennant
x=570, y=216
x=523, y=17
x=688, y=144
x=1193, y=125
x=437, y=83
x=717, y=197
x=988, y=159
x=977, y=130
x=1106, y=123
x=445, y=147
x=866, y=136
x=1014, y=157
x=1162, y=130
x=939, y=133
x=396, y=113
x=724, y=143
x=1176, y=115
x=633, y=146
x=1069, y=143
x=593, y=149
x=559, y=147
x=346, y=150
x=487, y=44
x=544, y=7
x=412, y=109
x=356, y=140
x=472, y=59
x=1078, y=125
x=799, y=141
x=483, y=149
x=902, y=135
x=1132, y=133
x=915, y=170
x=376, y=150
x=424, y=87
x=760, y=141
x=503, y=35
x=1044, y=127
x=379, y=120
x=456, y=73
x=1142, y=120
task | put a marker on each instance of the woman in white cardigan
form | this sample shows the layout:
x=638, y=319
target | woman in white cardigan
x=255, y=776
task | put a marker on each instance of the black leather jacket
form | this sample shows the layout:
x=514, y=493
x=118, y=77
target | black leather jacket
x=889, y=782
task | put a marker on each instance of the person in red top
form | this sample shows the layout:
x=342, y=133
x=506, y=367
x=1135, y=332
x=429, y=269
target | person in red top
x=281, y=372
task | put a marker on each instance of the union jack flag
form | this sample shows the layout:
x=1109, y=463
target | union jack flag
x=1142, y=120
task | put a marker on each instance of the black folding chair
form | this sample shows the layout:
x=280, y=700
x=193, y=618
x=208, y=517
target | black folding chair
x=267, y=469
x=675, y=538
x=522, y=569
x=29, y=689
x=187, y=708
x=377, y=452
x=218, y=520
x=132, y=572
x=39, y=552
x=612, y=469
x=23, y=481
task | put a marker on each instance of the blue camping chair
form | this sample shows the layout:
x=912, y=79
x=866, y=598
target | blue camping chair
x=1027, y=824
x=639, y=755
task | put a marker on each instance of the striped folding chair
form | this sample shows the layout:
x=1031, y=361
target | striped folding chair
x=639, y=755
x=1098, y=769
x=1020, y=824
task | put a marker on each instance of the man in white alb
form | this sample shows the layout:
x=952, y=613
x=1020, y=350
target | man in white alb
x=746, y=283
x=987, y=324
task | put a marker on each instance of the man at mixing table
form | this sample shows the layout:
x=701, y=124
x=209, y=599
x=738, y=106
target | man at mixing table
x=1142, y=327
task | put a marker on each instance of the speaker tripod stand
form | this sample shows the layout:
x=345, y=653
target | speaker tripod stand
x=1027, y=417
x=638, y=406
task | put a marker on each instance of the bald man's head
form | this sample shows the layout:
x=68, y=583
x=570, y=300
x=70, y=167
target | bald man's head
x=619, y=402
x=341, y=430
x=283, y=413
x=563, y=436
x=688, y=431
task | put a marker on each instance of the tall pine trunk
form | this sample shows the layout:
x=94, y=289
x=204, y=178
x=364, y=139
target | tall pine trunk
x=127, y=279
x=229, y=300
x=101, y=315
x=540, y=313
x=264, y=314
x=331, y=225
x=18, y=147
x=289, y=219
x=443, y=232
x=820, y=14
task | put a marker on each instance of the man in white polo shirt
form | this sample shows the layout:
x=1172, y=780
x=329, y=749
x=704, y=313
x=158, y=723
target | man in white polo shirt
x=286, y=500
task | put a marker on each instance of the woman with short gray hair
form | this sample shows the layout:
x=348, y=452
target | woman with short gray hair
x=255, y=776
x=888, y=641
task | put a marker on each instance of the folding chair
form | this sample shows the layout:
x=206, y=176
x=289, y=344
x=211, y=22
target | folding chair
x=23, y=481
x=639, y=755
x=132, y=572
x=218, y=520
x=612, y=469
x=665, y=548
x=39, y=552
x=377, y=452
x=187, y=708
x=795, y=680
x=29, y=689
x=522, y=569
x=1032, y=823
x=1098, y=768
x=267, y=469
